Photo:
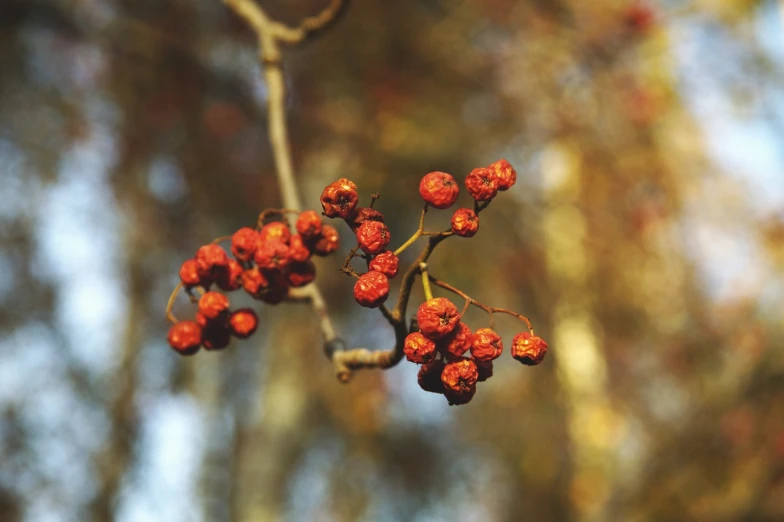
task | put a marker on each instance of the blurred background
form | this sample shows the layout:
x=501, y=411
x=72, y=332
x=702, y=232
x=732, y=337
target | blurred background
x=645, y=239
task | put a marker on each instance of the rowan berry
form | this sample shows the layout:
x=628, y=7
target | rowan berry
x=243, y=243
x=459, y=378
x=373, y=237
x=339, y=199
x=364, y=214
x=482, y=184
x=274, y=231
x=278, y=290
x=216, y=336
x=504, y=173
x=437, y=317
x=309, y=224
x=387, y=263
x=231, y=278
x=189, y=273
x=529, y=349
x=328, y=242
x=298, y=251
x=465, y=222
x=185, y=337
x=371, y=289
x=272, y=256
x=213, y=304
x=418, y=348
x=459, y=398
x=212, y=259
x=484, y=370
x=439, y=189
x=301, y=273
x=243, y=323
x=255, y=282
x=457, y=342
x=429, y=376
x=486, y=345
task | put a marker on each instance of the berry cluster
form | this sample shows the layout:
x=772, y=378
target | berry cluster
x=267, y=262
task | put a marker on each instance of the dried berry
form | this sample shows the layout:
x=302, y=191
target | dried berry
x=504, y=173
x=231, y=278
x=212, y=260
x=213, y=304
x=189, y=273
x=243, y=243
x=429, y=376
x=301, y=273
x=328, y=242
x=340, y=199
x=458, y=398
x=465, y=222
x=243, y=323
x=418, y=348
x=298, y=251
x=373, y=237
x=255, y=283
x=486, y=345
x=482, y=184
x=371, y=289
x=272, y=256
x=387, y=263
x=364, y=214
x=185, y=337
x=437, y=317
x=529, y=349
x=456, y=343
x=309, y=224
x=439, y=189
x=216, y=336
x=278, y=290
x=274, y=231
x=484, y=369
x=459, y=378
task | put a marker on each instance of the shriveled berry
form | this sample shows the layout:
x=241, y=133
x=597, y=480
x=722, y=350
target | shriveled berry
x=189, y=273
x=504, y=173
x=255, y=282
x=298, y=250
x=301, y=273
x=274, y=231
x=243, y=243
x=243, y=323
x=328, y=242
x=437, y=317
x=364, y=214
x=371, y=289
x=439, y=189
x=482, y=184
x=418, y=348
x=185, y=337
x=231, y=278
x=529, y=349
x=278, y=290
x=213, y=304
x=486, y=345
x=484, y=369
x=459, y=378
x=456, y=343
x=465, y=222
x=272, y=255
x=309, y=224
x=429, y=376
x=387, y=263
x=339, y=199
x=458, y=398
x=373, y=237
x=216, y=336
x=212, y=259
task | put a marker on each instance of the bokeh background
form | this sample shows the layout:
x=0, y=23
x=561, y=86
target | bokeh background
x=645, y=239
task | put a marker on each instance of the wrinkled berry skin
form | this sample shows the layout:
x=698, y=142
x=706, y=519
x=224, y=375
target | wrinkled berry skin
x=465, y=222
x=298, y=250
x=216, y=336
x=459, y=398
x=482, y=184
x=255, y=283
x=437, y=317
x=486, y=345
x=439, y=189
x=328, y=242
x=429, y=377
x=373, y=237
x=274, y=231
x=460, y=378
x=456, y=343
x=185, y=337
x=504, y=173
x=243, y=323
x=529, y=349
x=243, y=243
x=339, y=199
x=212, y=259
x=371, y=289
x=309, y=224
x=301, y=273
x=418, y=348
x=484, y=369
x=272, y=256
x=364, y=214
x=387, y=263
x=189, y=273
x=213, y=304
x=231, y=278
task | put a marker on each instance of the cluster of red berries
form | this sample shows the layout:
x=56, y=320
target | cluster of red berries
x=267, y=262
x=443, y=340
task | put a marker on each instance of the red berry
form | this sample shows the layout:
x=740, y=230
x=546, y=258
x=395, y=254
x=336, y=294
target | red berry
x=437, y=317
x=418, y=348
x=298, y=251
x=439, y=189
x=213, y=304
x=243, y=243
x=387, y=263
x=328, y=242
x=189, y=273
x=231, y=278
x=216, y=336
x=373, y=237
x=429, y=377
x=272, y=256
x=456, y=343
x=364, y=214
x=243, y=323
x=484, y=369
x=301, y=273
x=465, y=222
x=459, y=378
x=212, y=260
x=340, y=199
x=486, y=345
x=185, y=337
x=309, y=224
x=482, y=184
x=371, y=289
x=529, y=349
x=274, y=231
x=458, y=398
x=504, y=173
